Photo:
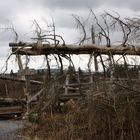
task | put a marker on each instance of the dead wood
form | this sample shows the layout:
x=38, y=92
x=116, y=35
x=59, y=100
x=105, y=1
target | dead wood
x=30, y=49
x=20, y=80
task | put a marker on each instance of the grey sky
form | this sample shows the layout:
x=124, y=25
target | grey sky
x=82, y=4
x=21, y=12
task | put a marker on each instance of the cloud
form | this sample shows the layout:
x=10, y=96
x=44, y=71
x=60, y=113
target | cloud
x=82, y=4
x=70, y=4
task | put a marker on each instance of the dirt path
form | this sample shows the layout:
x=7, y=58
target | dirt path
x=8, y=129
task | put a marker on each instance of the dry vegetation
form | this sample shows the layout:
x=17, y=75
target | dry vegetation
x=110, y=113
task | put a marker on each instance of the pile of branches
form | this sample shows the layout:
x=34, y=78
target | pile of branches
x=101, y=116
x=48, y=100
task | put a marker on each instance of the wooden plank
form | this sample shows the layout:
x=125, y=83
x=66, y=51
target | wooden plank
x=70, y=96
x=11, y=100
x=20, y=80
x=71, y=88
x=77, y=85
x=11, y=110
x=118, y=79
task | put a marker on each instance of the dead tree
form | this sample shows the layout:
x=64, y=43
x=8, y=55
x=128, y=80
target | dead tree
x=51, y=44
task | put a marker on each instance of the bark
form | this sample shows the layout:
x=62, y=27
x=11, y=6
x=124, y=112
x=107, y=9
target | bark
x=31, y=49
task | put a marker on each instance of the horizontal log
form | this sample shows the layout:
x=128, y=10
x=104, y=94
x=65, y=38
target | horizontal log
x=33, y=49
x=71, y=88
x=20, y=80
x=11, y=101
x=69, y=96
x=11, y=110
x=79, y=84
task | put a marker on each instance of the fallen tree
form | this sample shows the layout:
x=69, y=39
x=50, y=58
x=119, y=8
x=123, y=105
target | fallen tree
x=46, y=49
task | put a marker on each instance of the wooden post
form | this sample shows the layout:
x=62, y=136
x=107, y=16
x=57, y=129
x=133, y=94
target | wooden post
x=6, y=89
x=91, y=81
x=91, y=78
x=94, y=42
x=27, y=89
x=20, y=65
x=79, y=82
x=67, y=83
x=111, y=71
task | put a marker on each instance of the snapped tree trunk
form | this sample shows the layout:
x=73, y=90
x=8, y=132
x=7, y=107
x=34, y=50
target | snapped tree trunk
x=32, y=49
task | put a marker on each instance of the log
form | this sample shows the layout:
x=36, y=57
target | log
x=45, y=49
x=11, y=101
x=77, y=84
x=11, y=110
x=21, y=80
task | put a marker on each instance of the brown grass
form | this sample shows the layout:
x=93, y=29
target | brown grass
x=102, y=116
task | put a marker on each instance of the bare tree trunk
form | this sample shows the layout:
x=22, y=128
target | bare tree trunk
x=29, y=49
x=20, y=65
x=94, y=42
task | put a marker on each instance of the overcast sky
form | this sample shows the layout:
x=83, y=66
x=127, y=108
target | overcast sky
x=21, y=13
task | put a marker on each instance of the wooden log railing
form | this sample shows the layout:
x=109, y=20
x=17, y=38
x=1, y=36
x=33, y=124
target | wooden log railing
x=20, y=80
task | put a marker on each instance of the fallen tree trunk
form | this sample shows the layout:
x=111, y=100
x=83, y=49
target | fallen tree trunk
x=45, y=49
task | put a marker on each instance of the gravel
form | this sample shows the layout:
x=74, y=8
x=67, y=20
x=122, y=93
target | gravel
x=8, y=129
